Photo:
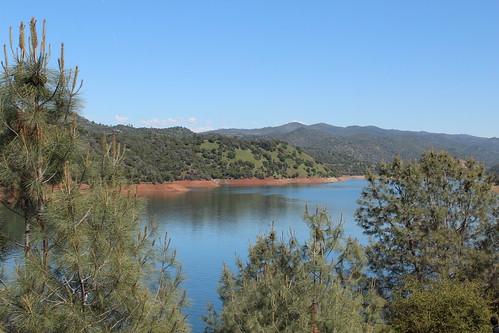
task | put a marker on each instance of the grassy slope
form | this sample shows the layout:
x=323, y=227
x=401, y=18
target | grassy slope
x=158, y=155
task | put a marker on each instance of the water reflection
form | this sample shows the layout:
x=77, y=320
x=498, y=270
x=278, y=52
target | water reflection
x=210, y=227
x=11, y=233
x=220, y=208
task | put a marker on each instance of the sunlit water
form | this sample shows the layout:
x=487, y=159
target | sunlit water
x=211, y=227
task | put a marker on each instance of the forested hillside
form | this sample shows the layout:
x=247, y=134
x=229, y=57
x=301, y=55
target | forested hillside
x=350, y=150
x=159, y=155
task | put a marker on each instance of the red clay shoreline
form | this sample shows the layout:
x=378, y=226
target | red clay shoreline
x=180, y=186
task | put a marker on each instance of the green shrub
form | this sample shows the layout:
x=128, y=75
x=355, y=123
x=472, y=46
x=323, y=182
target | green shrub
x=440, y=307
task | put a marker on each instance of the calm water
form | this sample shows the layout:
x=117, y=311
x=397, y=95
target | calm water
x=210, y=227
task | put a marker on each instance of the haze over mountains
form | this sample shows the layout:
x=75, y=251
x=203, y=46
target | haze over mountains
x=158, y=155
x=349, y=150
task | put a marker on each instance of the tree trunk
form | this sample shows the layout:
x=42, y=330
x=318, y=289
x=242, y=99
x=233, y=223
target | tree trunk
x=45, y=244
x=313, y=310
x=27, y=234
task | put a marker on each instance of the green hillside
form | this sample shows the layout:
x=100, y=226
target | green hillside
x=159, y=155
x=351, y=150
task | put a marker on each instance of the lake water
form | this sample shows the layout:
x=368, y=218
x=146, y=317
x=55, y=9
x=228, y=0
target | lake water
x=210, y=227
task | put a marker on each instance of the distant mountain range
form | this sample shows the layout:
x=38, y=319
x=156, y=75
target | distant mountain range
x=350, y=150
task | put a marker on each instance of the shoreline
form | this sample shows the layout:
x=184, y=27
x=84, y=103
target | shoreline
x=182, y=186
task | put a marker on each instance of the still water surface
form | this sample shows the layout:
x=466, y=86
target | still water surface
x=211, y=227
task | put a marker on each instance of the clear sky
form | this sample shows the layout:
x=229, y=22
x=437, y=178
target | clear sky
x=420, y=65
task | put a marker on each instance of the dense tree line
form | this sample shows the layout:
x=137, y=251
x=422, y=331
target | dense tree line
x=159, y=155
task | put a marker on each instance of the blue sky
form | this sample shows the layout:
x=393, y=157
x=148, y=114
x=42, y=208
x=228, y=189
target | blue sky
x=417, y=65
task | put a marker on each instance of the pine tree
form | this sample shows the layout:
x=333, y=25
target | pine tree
x=37, y=131
x=434, y=218
x=89, y=267
x=288, y=287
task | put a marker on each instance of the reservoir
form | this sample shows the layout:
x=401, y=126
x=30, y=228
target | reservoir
x=210, y=227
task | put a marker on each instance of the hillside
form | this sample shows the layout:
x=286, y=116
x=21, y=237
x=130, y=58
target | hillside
x=159, y=155
x=350, y=150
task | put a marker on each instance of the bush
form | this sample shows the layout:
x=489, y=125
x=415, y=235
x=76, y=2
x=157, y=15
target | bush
x=441, y=307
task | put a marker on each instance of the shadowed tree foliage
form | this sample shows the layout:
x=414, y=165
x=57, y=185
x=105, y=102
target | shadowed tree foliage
x=288, y=287
x=88, y=266
x=430, y=219
x=494, y=173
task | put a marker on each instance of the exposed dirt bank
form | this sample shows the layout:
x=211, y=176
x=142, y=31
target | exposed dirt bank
x=180, y=186
x=275, y=182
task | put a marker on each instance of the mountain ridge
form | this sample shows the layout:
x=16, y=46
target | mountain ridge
x=353, y=149
x=299, y=124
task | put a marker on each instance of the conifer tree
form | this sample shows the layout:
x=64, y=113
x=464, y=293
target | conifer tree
x=435, y=218
x=102, y=265
x=94, y=268
x=37, y=131
x=288, y=287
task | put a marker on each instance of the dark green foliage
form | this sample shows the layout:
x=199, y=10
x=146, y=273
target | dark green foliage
x=429, y=219
x=159, y=155
x=442, y=307
x=286, y=286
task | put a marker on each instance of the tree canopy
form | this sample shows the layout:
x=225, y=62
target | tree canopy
x=434, y=217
